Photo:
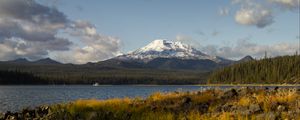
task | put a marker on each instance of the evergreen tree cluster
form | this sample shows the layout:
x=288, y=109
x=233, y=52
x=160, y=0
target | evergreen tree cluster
x=278, y=70
x=32, y=76
x=17, y=78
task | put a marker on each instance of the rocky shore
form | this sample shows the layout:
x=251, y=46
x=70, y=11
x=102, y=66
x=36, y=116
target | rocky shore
x=215, y=104
x=27, y=114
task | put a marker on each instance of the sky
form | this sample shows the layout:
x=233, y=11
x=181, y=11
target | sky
x=80, y=31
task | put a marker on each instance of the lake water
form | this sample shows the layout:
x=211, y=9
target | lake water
x=15, y=98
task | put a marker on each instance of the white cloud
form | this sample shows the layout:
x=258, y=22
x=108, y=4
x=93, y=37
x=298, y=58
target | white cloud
x=244, y=47
x=260, y=13
x=95, y=46
x=183, y=38
x=6, y=51
x=254, y=14
x=187, y=40
x=31, y=30
x=287, y=4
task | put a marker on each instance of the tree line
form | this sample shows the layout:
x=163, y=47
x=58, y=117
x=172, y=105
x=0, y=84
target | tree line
x=115, y=77
x=278, y=70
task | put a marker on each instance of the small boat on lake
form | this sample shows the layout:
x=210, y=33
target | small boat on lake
x=96, y=84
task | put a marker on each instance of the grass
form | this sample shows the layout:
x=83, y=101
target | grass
x=250, y=85
x=214, y=104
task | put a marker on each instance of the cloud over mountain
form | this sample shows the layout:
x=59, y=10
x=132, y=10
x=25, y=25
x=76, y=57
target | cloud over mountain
x=28, y=29
x=96, y=46
x=32, y=30
x=244, y=47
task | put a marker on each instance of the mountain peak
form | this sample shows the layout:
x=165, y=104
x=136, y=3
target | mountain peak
x=47, y=61
x=162, y=45
x=246, y=58
x=162, y=48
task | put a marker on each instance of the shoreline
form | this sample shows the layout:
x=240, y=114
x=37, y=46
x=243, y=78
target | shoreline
x=204, y=85
x=241, y=102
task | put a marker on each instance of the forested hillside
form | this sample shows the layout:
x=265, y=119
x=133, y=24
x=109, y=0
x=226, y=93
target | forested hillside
x=279, y=70
x=64, y=74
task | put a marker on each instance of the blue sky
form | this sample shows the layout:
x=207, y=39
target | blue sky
x=227, y=28
x=138, y=22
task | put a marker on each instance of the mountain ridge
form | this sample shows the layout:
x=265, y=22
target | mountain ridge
x=48, y=61
x=159, y=54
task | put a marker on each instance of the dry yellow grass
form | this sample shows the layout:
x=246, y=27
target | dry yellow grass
x=205, y=105
x=244, y=101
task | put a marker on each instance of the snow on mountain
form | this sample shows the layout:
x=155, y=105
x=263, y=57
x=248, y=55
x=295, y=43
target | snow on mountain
x=166, y=49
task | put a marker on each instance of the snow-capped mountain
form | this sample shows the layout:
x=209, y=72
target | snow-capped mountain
x=164, y=54
x=167, y=49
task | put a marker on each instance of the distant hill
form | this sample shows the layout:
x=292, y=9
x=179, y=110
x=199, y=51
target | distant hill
x=278, y=70
x=24, y=61
x=19, y=61
x=246, y=59
x=46, y=61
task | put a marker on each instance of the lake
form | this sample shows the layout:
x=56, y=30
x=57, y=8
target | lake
x=15, y=98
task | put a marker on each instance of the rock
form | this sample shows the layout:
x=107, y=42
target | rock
x=24, y=111
x=280, y=108
x=266, y=88
x=187, y=100
x=32, y=113
x=153, y=108
x=92, y=116
x=7, y=114
x=243, y=110
x=270, y=116
x=203, y=107
x=186, y=103
x=42, y=111
x=266, y=116
x=243, y=91
x=254, y=108
x=226, y=107
x=11, y=117
x=235, y=108
x=229, y=94
x=218, y=109
x=293, y=115
x=27, y=115
x=276, y=88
